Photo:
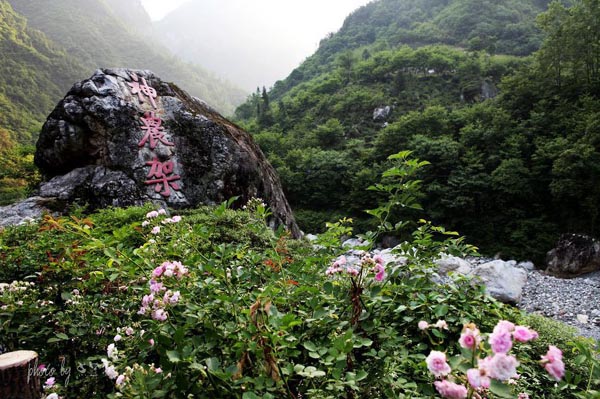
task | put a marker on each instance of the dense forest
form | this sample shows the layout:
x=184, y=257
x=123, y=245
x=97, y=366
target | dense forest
x=513, y=140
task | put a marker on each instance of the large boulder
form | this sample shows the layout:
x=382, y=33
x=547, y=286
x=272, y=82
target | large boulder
x=574, y=254
x=125, y=137
x=448, y=263
x=503, y=280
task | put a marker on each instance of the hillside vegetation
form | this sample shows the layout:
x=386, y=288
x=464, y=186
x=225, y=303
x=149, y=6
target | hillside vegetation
x=213, y=304
x=35, y=73
x=98, y=36
x=503, y=27
x=511, y=172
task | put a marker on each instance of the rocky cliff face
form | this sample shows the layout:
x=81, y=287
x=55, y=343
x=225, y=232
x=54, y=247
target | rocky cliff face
x=125, y=137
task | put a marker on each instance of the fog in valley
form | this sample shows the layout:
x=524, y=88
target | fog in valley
x=250, y=43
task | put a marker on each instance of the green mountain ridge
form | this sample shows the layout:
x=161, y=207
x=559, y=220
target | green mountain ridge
x=35, y=74
x=512, y=172
x=505, y=27
x=99, y=36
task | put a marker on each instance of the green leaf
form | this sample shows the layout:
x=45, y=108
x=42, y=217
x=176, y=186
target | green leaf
x=310, y=346
x=62, y=336
x=361, y=375
x=501, y=390
x=441, y=310
x=173, y=356
x=298, y=368
x=400, y=155
x=250, y=395
x=213, y=363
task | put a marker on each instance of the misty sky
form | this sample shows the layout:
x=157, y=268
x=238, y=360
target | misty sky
x=299, y=26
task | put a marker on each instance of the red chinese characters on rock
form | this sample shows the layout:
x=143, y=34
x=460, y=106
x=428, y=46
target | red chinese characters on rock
x=154, y=131
x=142, y=89
x=161, y=175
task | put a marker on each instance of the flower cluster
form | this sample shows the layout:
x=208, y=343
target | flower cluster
x=155, y=214
x=15, y=293
x=50, y=386
x=440, y=324
x=159, y=297
x=499, y=365
x=368, y=264
x=114, y=356
x=15, y=286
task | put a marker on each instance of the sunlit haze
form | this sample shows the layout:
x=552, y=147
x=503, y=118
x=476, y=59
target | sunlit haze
x=157, y=9
x=268, y=37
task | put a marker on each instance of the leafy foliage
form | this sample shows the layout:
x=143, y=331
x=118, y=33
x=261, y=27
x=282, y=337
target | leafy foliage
x=238, y=311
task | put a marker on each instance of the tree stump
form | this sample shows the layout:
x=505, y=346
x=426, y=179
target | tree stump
x=18, y=377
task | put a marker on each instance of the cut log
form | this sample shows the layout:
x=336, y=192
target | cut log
x=18, y=377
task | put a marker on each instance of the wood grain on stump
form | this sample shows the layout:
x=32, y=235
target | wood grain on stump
x=18, y=377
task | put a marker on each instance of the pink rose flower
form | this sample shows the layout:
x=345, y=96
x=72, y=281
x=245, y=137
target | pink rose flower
x=524, y=334
x=500, y=341
x=478, y=379
x=120, y=380
x=502, y=367
x=437, y=365
x=379, y=259
x=423, y=325
x=151, y=215
x=553, y=354
x=175, y=298
x=504, y=325
x=441, y=324
x=156, y=287
x=470, y=337
x=341, y=261
x=450, y=390
x=158, y=271
x=379, y=272
x=176, y=219
x=523, y=395
x=180, y=269
x=556, y=369
x=159, y=314
x=553, y=363
x=162, y=212
x=49, y=382
x=155, y=230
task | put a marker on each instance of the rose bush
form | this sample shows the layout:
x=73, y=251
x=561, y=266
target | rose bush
x=208, y=303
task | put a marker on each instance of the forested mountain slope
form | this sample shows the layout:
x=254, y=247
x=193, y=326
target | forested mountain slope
x=34, y=75
x=512, y=168
x=504, y=27
x=100, y=36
